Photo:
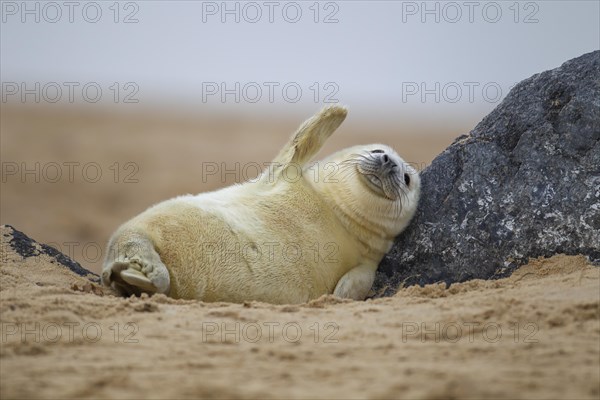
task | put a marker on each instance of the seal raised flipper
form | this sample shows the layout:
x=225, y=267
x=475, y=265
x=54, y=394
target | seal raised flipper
x=306, y=142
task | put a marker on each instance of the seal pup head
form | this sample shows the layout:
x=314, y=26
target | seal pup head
x=372, y=185
x=385, y=172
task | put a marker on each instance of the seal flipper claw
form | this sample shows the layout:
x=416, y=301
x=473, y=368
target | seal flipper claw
x=137, y=278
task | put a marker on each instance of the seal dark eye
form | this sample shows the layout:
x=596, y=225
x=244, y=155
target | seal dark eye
x=377, y=151
x=407, y=179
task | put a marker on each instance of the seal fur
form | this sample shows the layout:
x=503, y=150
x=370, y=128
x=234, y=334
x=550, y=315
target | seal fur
x=294, y=234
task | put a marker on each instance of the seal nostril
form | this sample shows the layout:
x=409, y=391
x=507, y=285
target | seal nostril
x=385, y=158
x=407, y=179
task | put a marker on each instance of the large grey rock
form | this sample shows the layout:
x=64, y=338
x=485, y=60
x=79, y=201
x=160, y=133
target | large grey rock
x=524, y=183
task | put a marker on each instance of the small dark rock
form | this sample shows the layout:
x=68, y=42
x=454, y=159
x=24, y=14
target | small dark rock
x=524, y=183
x=22, y=244
x=27, y=247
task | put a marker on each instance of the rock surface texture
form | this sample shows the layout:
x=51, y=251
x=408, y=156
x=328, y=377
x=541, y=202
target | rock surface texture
x=524, y=183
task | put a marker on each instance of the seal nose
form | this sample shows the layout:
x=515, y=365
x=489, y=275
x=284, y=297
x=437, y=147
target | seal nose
x=386, y=161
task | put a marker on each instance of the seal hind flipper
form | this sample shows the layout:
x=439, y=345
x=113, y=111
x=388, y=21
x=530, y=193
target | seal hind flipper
x=137, y=269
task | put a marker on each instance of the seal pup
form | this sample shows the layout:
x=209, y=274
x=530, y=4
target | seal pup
x=295, y=233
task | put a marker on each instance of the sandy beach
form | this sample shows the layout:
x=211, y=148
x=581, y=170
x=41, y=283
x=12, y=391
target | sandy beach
x=532, y=335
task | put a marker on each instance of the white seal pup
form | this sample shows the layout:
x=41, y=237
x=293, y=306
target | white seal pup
x=295, y=233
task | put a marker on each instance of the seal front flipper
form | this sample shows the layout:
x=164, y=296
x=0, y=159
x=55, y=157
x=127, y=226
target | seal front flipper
x=310, y=136
x=356, y=283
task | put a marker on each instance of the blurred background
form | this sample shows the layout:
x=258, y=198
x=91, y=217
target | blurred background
x=109, y=107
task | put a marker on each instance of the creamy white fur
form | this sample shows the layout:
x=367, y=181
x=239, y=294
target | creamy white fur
x=278, y=240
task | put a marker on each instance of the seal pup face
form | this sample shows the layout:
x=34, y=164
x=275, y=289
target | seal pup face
x=385, y=172
x=374, y=186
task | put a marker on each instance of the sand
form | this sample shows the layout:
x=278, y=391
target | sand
x=535, y=335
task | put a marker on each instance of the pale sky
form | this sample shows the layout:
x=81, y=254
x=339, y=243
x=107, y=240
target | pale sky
x=449, y=57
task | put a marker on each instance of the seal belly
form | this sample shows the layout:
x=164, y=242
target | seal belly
x=256, y=245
